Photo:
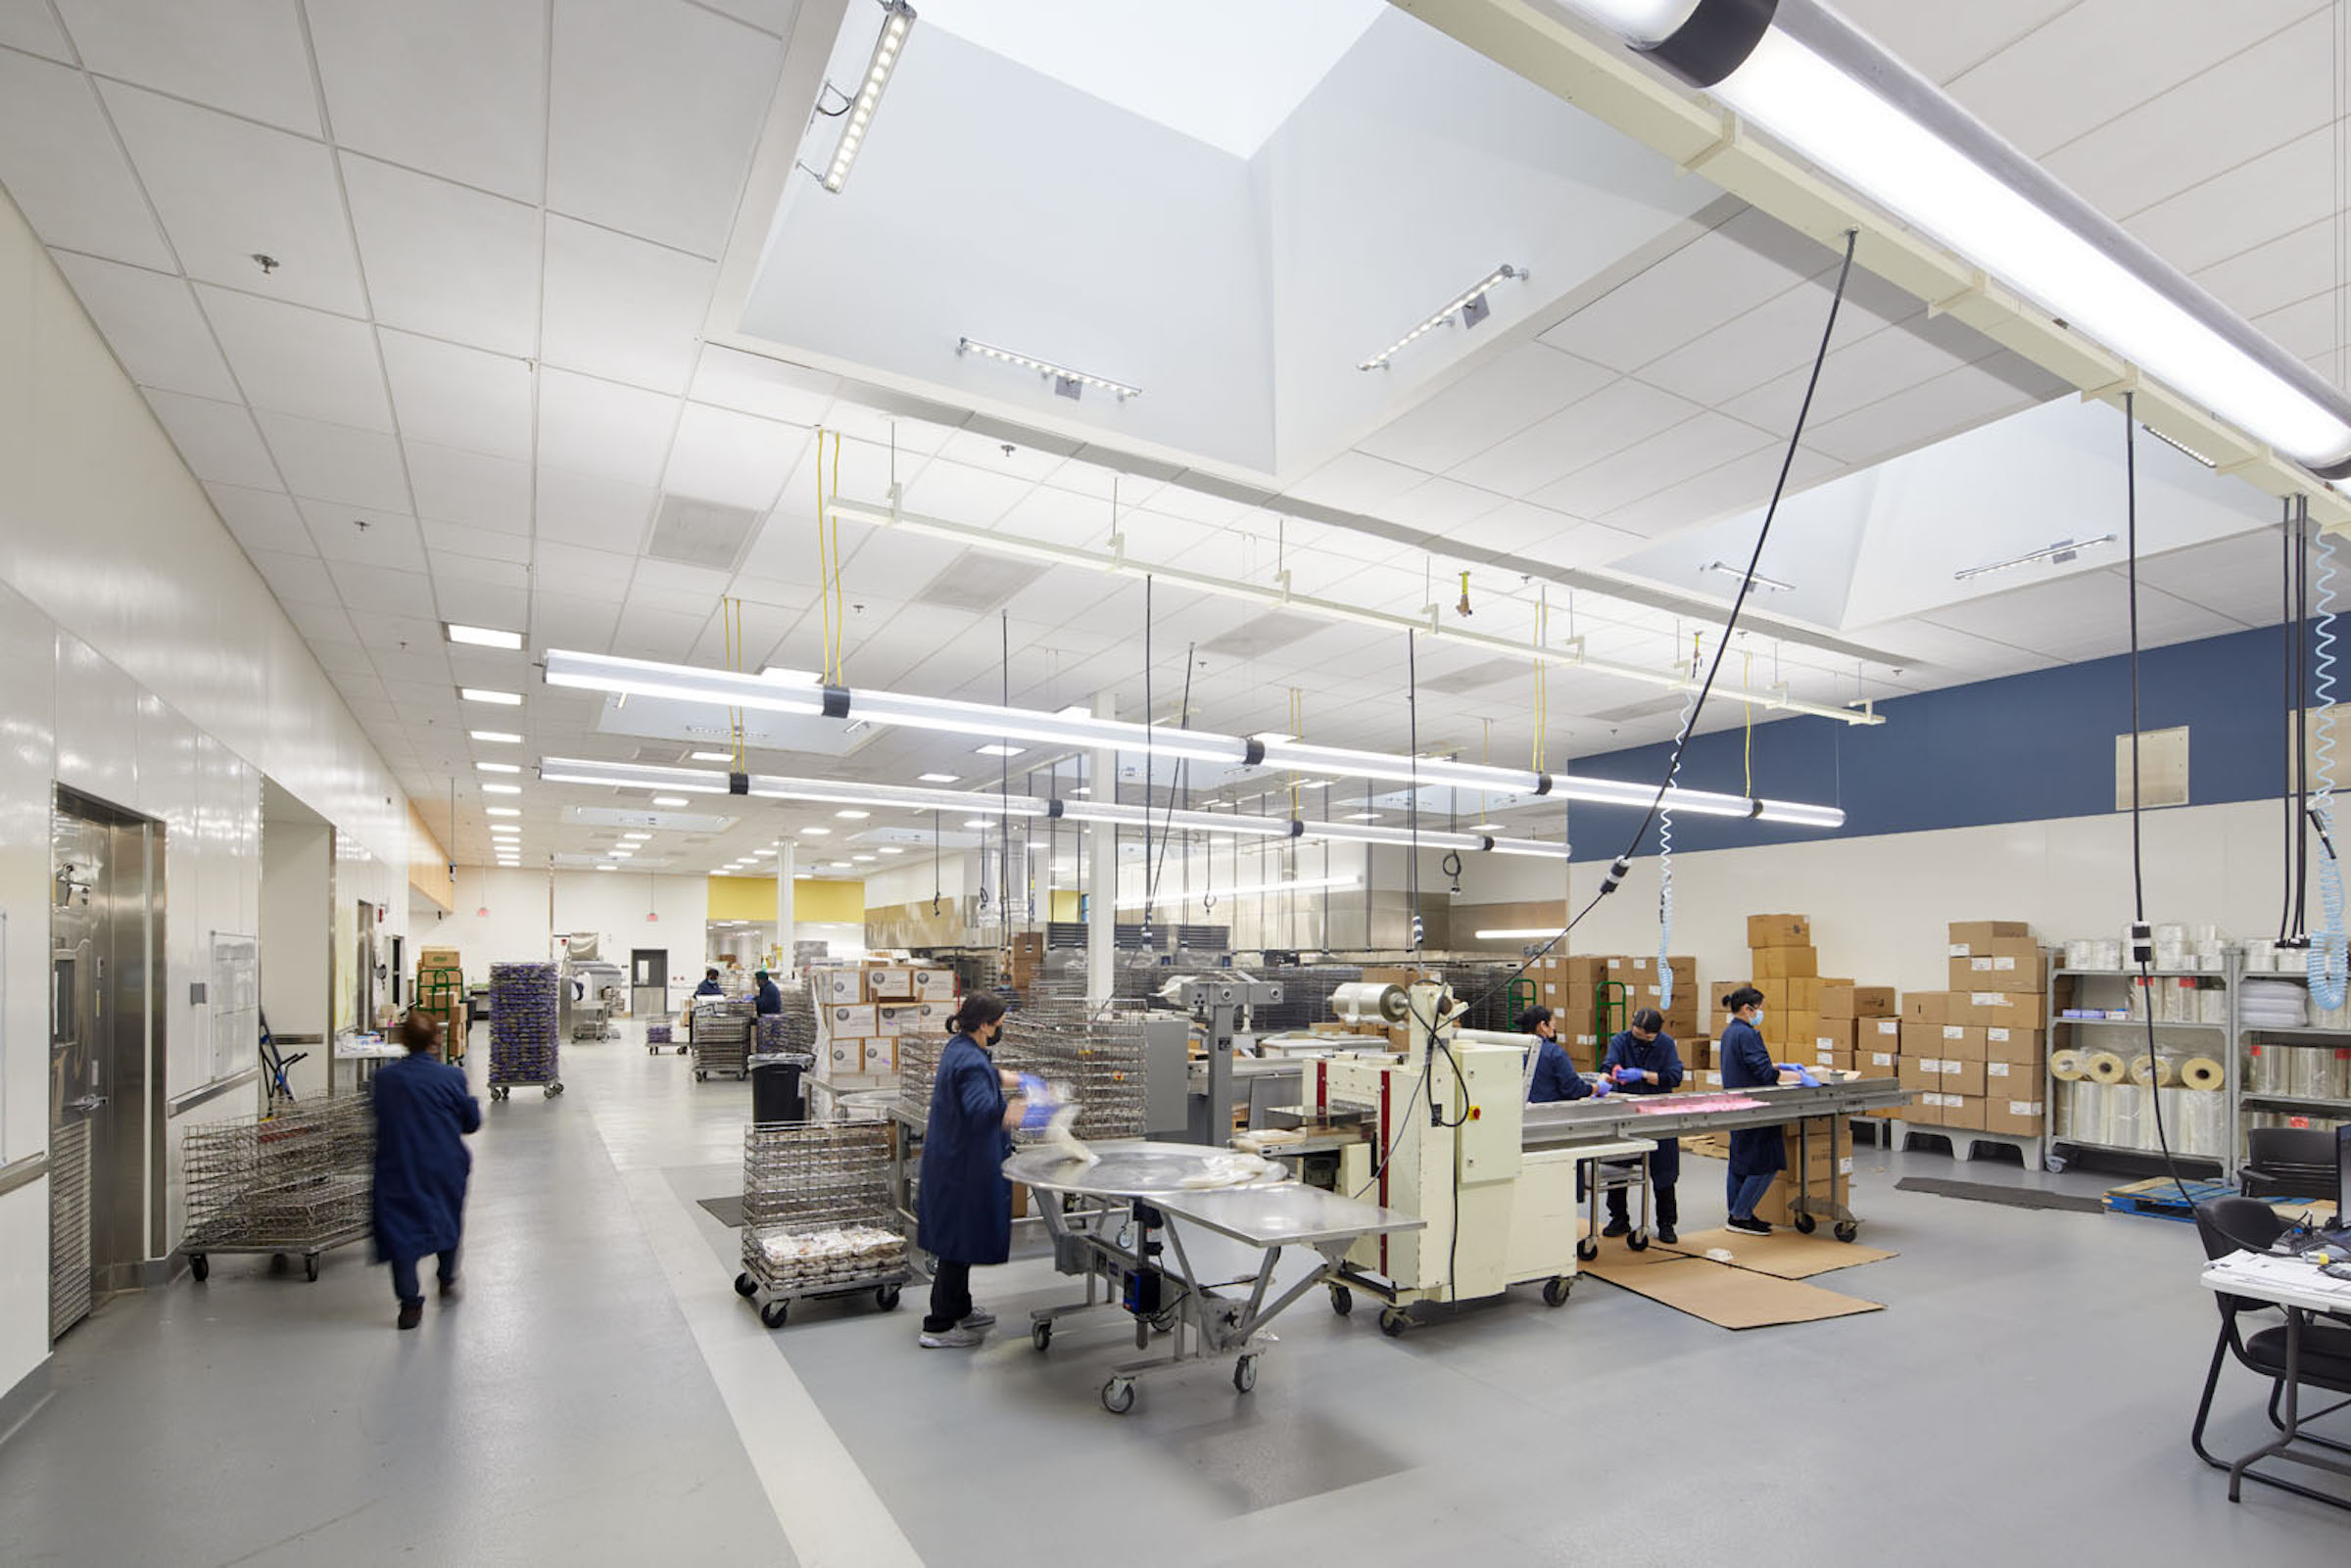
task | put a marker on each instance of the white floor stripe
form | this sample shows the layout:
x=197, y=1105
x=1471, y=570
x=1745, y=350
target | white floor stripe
x=829, y=1513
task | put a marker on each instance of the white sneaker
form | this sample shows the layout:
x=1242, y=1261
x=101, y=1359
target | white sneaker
x=957, y=1338
x=979, y=1317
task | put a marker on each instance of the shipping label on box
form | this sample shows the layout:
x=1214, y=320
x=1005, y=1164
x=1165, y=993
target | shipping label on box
x=1964, y=1041
x=890, y=984
x=1963, y=1111
x=1924, y=1110
x=1878, y=1063
x=2011, y=1078
x=1921, y=1073
x=1883, y=1032
x=1625, y=969
x=2002, y=1010
x=1835, y=1034
x=856, y=1021
x=2004, y=1044
x=2017, y=1117
x=1778, y=931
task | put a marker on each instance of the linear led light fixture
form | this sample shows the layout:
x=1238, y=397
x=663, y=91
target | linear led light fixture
x=897, y=17
x=1832, y=95
x=1304, y=884
x=1469, y=305
x=1530, y=935
x=2178, y=446
x=1769, y=585
x=1067, y=383
x=801, y=692
x=648, y=775
x=1118, y=563
x=2065, y=550
x=481, y=636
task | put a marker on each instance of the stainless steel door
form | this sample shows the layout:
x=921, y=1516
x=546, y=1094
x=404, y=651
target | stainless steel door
x=649, y=981
x=79, y=950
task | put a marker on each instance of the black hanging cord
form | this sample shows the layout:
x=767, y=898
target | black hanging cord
x=2286, y=796
x=1004, y=788
x=1149, y=880
x=935, y=886
x=1182, y=780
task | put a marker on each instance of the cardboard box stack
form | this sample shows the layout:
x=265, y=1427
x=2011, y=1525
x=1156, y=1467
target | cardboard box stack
x=1786, y=969
x=1974, y=1052
x=1575, y=985
x=1859, y=1031
x=1826, y=1163
x=437, y=968
x=863, y=1010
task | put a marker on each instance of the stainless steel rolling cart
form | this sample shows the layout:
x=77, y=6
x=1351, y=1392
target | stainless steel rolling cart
x=722, y=1037
x=817, y=1215
x=300, y=1183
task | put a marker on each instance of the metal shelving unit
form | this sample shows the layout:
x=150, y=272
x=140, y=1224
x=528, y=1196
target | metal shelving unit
x=2265, y=1102
x=2062, y=982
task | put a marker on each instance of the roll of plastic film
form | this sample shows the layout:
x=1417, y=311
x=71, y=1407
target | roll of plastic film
x=2103, y=1066
x=2093, y=1112
x=1369, y=1002
x=2202, y=1075
x=2126, y=1123
x=2069, y=1065
x=2156, y=1070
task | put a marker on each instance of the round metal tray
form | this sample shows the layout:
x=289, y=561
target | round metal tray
x=1125, y=1169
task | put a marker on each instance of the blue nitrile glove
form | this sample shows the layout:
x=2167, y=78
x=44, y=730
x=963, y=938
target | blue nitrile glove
x=1631, y=1075
x=1038, y=1104
x=1600, y=1090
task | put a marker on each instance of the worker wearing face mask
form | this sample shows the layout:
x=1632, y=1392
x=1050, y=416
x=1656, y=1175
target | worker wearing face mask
x=1556, y=1077
x=1758, y=1154
x=1644, y=1060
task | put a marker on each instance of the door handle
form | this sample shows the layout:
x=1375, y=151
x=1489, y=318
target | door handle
x=88, y=1102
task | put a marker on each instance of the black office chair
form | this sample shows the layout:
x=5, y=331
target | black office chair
x=2288, y=1163
x=2247, y=1224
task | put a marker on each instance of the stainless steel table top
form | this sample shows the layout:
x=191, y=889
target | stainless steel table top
x=1291, y=1214
x=1136, y=1169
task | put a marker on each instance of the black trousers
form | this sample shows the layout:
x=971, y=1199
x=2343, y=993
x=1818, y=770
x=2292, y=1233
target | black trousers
x=1664, y=1169
x=950, y=1296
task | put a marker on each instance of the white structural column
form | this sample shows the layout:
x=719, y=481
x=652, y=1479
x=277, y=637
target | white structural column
x=787, y=863
x=1102, y=867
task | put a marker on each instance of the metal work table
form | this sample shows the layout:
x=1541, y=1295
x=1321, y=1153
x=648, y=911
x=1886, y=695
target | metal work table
x=1568, y=1123
x=1110, y=1216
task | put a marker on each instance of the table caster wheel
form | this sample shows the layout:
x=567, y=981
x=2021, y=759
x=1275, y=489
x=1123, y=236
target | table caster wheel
x=1118, y=1396
x=1394, y=1320
x=885, y=1296
x=551, y=1090
x=1587, y=1249
x=1041, y=1335
x=700, y=1076
x=1638, y=1241
x=2054, y=1162
x=1806, y=1224
x=1556, y=1289
x=1245, y=1374
x=1342, y=1300
x=746, y=1286
x=309, y=1267
x=774, y=1314
x=1847, y=1229
x=682, y=1050
x=200, y=1267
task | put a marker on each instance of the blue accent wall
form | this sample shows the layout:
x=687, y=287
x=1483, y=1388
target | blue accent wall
x=2020, y=748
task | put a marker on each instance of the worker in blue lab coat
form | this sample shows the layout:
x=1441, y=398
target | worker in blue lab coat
x=1644, y=1060
x=771, y=995
x=709, y=986
x=1757, y=1154
x=423, y=1111
x=965, y=1208
x=1556, y=1077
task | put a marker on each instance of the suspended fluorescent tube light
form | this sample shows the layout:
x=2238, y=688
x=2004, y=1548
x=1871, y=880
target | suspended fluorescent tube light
x=1304, y=884
x=897, y=17
x=1800, y=71
x=798, y=691
x=1469, y=303
x=1118, y=563
x=1067, y=383
x=1531, y=933
x=2065, y=550
x=1769, y=585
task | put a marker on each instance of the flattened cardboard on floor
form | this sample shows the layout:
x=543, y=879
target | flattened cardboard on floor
x=1724, y=1295
x=1782, y=1254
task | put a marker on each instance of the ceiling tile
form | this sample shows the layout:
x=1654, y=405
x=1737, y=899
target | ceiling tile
x=622, y=308
x=1608, y=421
x=62, y=167
x=567, y=621
x=583, y=510
x=216, y=440
x=1442, y=504
x=297, y=361
x=1499, y=398
x=1356, y=481
x=243, y=56
x=655, y=109
x=450, y=570
x=322, y=623
x=30, y=26
x=1942, y=46
x=2284, y=188
x=466, y=598
x=152, y=325
x=296, y=578
x=1971, y=395
x=1720, y=275
x=360, y=535
x=582, y=573
x=1720, y=490
x=337, y=464
x=455, y=88
x=602, y=428
x=462, y=397
x=375, y=591
x=963, y=494
x=2292, y=266
x=260, y=519
x=476, y=543
x=735, y=458
x=446, y=260
x=228, y=189
x=1705, y=440
x=470, y=488
x=652, y=634
x=770, y=388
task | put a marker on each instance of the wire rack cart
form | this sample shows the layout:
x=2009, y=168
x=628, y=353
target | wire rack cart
x=816, y=1212
x=297, y=1183
x=523, y=1028
x=722, y=1036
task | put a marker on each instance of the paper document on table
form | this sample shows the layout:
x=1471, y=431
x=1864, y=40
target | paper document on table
x=2256, y=1271
x=1650, y=1105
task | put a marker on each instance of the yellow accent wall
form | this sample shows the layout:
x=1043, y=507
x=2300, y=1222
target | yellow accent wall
x=1064, y=903
x=754, y=898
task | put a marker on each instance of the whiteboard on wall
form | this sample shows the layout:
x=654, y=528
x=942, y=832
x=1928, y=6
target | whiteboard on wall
x=234, y=995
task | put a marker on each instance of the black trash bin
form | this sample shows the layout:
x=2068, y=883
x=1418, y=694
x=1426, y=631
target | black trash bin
x=775, y=1088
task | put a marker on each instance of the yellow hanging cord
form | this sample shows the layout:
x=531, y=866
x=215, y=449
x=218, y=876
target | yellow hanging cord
x=822, y=561
x=1749, y=708
x=840, y=616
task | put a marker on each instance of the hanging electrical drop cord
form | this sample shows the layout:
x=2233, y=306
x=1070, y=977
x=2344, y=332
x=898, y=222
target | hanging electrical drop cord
x=2285, y=626
x=1148, y=878
x=1183, y=765
x=1698, y=643
x=1004, y=788
x=1622, y=865
x=2329, y=961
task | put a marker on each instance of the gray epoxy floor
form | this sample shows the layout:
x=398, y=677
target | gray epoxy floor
x=2025, y=1395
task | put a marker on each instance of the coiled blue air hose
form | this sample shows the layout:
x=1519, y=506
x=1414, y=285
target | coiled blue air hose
x=2329, y=955
x=1665, y=867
